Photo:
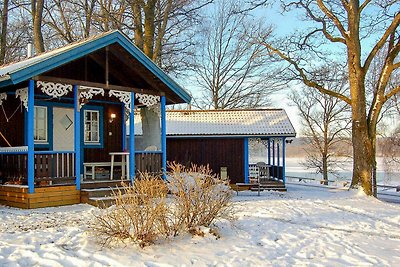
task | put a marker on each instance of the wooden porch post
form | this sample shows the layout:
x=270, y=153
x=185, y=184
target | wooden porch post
x=284, y=159
x=269, y=151
x=164, y=136
x=273, y=157
x=246, y=160
x=132, y=139
x=77, y=138
x=277, y=159
x=30, y=137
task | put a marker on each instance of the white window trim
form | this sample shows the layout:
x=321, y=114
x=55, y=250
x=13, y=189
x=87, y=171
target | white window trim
x=98, y=127
x=46, y=127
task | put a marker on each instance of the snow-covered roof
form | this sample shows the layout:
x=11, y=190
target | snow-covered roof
x=246, y=122
x=25, y=69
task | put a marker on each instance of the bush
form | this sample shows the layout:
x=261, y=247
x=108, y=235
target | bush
x=138, y=213
x=199, y=196
x=143, y=213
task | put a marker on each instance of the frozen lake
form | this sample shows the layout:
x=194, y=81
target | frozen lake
x=295, y=168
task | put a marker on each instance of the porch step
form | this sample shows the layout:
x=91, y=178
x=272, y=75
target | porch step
x=101, y=194
x=279, y=189
x=103, y=184
x=101, y=202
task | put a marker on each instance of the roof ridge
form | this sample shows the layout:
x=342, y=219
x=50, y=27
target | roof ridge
x=62, y=47
x=222, y=110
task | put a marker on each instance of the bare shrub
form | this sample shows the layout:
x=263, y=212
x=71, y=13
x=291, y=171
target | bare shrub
x=138, y=213
x=200, y=197
x=143, y=213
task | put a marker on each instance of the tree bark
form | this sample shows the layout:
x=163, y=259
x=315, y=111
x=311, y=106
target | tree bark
x=4, y=26
x=37, y=15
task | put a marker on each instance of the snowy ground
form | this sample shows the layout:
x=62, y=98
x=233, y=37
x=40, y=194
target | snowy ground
x=305, y=226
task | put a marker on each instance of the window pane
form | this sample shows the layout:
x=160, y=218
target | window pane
x=94, y=116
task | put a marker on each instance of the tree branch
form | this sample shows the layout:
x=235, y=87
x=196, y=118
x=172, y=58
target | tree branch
x=392, y=27
x=303, y=75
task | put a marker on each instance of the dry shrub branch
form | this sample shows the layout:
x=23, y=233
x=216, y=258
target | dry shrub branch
x=144, y=213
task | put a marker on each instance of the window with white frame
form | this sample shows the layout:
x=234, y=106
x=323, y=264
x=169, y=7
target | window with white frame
x=40, y=124
x=92, y=126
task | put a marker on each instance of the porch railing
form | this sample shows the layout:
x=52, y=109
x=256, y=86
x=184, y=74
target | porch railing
x=54, y=165
x=148, y=161
x=275, y=172
x=51, y=166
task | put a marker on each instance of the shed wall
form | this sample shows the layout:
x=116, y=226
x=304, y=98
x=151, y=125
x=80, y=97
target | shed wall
x=217, y=152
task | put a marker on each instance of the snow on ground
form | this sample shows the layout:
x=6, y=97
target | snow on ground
x=305, y=226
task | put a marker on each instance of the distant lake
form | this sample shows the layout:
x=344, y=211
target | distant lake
x=295, y=168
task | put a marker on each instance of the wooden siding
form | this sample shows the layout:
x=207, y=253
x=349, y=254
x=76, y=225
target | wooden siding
x=217, y=152
x=17, y=196
x=113, y=142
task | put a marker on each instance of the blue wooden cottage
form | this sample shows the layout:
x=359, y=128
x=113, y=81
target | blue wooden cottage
x=63, y=118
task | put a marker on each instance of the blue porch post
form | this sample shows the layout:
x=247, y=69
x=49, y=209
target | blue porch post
x=269, y=152
x=277, y=160
x=77, y=138
x=164, y=136
x=246, y=160
x=30, y=137
x=273, y=158
x=132, y=139
x=284, y=159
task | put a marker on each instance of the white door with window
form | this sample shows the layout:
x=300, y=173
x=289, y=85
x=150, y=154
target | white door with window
x=63, y=131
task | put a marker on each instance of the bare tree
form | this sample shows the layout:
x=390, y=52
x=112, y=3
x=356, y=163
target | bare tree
x=231, y=71
x=37, y=19
x=4, y=28
x=326, y=122
x=71, y=20
x=359, y=30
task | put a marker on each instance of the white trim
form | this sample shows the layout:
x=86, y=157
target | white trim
x=97, y=142
x=46, y=126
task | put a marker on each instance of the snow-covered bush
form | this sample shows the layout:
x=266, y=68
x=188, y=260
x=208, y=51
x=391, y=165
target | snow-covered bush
x=138, y=214
x=200, y=197
x=143, y=213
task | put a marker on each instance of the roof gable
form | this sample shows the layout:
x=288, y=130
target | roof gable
x=26, y=69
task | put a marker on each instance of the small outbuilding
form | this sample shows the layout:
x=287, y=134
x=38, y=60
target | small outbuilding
x=226, y=140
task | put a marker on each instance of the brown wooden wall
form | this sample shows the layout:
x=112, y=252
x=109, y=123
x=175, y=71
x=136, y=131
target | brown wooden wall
x=113, y=142
x=217, y=152
x=43, y=197
x=13, y=130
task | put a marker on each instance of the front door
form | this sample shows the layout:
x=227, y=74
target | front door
x=63, y=131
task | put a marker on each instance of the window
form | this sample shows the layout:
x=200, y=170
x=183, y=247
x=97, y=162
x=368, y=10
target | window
x=92, y=126
x=40, y=124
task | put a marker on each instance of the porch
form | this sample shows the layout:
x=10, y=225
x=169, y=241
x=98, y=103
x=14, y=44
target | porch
x=74, y=106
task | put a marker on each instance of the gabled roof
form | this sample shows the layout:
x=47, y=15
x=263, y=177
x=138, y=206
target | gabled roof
x=246, y=122
x=24, y=70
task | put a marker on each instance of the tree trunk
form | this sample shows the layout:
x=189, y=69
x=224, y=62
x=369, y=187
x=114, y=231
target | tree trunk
x=363, y=156
x=37, y=15
x=3, y=37
x=325, y=169
x=151, y=128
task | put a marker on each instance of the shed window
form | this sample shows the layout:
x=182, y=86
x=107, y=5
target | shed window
x=92, y=126
x=40, y=124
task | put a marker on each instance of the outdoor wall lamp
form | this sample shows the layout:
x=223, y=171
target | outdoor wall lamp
x=112, y=117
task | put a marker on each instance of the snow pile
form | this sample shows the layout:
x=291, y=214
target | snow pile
x=305, y=226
